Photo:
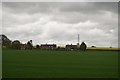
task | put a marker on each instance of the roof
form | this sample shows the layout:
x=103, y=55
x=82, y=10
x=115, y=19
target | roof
x=48, y=44
x=71, y=45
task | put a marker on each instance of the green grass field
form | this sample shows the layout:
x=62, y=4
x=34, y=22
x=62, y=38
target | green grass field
x=59, y=64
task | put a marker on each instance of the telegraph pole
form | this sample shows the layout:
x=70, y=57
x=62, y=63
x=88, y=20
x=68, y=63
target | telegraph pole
x=78, y=38
x=78, y=41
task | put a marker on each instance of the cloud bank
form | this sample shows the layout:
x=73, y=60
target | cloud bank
x=60, y=22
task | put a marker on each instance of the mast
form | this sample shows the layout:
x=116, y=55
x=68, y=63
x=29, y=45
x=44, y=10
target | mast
x=78, y=39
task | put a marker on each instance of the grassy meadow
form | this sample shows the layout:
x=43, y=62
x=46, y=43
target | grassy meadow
x=59, y=64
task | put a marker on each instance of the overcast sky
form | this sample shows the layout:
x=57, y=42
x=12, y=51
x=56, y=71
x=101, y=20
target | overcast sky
x=60, y=22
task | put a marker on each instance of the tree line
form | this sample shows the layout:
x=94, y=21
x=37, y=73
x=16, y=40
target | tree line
x=7, y=43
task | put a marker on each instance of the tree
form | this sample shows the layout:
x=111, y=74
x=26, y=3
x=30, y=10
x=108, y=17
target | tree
x=5, y=41
x=37, y=46
x=16, y=44
x=93, y=46
x=83, y=46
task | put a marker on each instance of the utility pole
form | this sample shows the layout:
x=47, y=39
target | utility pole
x=78, y=39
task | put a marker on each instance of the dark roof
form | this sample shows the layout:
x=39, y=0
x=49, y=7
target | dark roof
x=71, y=45
x=48, y=44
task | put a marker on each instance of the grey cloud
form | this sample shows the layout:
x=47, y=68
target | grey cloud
x=0, y=17
x=27, y=7
x=18, y=19
x=90, y=7
x=60, y=1
x=83, y=7
x=61, y=22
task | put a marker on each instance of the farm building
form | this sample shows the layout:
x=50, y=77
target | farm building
x=69, y=47
x=23, y=46
x=48, y=46
x=27, y=46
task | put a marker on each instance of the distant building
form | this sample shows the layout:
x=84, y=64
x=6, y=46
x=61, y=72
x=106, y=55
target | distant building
x=48, y=46
x=23, y=46
x=70, y=47
x=27, y=46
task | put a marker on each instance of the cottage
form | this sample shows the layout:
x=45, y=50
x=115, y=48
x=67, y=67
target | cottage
x=71, y=47
x=23, y=46
x=48, y=46
x=27, y=46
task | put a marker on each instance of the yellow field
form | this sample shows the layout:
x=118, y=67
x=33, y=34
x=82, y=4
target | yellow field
x=103, y=48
